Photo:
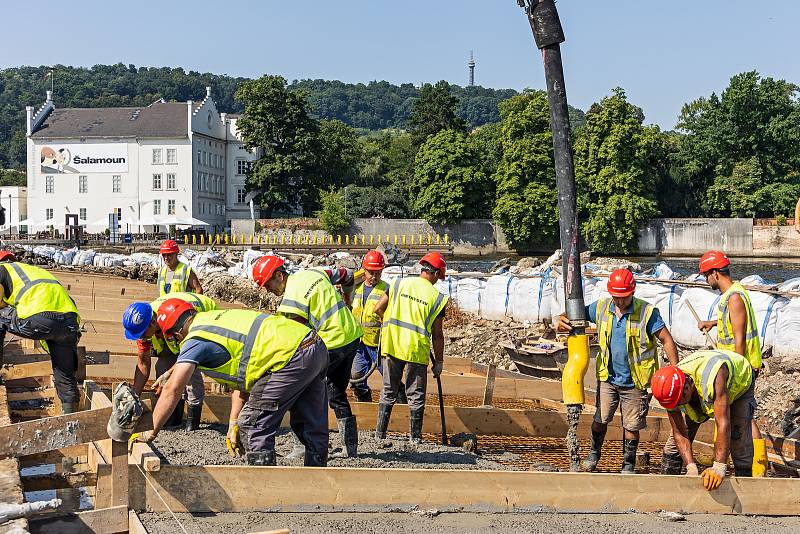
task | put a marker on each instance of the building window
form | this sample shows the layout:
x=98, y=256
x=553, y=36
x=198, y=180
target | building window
x=204, y=157
x=171, y=207
x=157, y=156
x=49, y=184
x=205, y=183
x=116, y=183
x=157, y=207
x=82, y=213
x=198, y=157
x=83, y=186
x=48, y=213
x=241, y=167
x=171, y=181
x=156, y=182
x=119, y=214
x=172, y=156
x=240, y=195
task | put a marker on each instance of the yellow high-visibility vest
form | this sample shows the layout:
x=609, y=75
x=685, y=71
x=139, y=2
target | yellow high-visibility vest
x=201, y=303
x=35, y=290
x=725, y=338
x=179, y=282
x=309, y=294
x=257, y=343
x=703, y=366
x=642, y=352
x=364, y=312
x=414, y=304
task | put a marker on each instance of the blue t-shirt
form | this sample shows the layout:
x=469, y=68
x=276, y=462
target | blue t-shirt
x=619, y=370
x=203, y=352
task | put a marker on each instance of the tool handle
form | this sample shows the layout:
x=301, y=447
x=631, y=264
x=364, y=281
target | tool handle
x=441, y=410
x=697, y=318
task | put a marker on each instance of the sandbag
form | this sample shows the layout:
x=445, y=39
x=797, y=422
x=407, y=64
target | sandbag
x=496, y=295
x=786, y=340
x=469, y=294
x=684, y=326
x=530, y=298
x=448, y=286
x=557, y=299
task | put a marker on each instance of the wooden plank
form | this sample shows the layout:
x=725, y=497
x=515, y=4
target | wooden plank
x=103, y=521
x=143, y=454
x=488, y=392
x=119, y=474
x=10, y=485
x=47, y=393
x=135, y=525
x=244, y=489
x=76, y=451
x=58, y=481
x=26, y=370
x=104, y=481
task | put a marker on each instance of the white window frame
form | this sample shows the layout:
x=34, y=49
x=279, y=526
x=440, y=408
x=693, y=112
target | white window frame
x=83, y=184
x=172, y=181
x=172, y=156
x=116, y=183
x=119, y=214
x=82, y=214
x=157, y=160
x=49, y=184
x=157, y=206
x=171, y=206
x=157, y=183
x=48, y=214
x=198, y=156
x=241, y=194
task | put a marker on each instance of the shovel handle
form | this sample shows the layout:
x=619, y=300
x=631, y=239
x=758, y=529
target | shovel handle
x=697, y=318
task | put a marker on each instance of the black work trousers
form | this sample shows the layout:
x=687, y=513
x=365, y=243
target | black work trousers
x=60, y=332
x=340, y=362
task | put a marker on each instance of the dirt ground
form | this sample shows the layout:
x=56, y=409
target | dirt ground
x=465, y=523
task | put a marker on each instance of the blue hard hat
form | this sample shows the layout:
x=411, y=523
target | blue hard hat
x=136, y=319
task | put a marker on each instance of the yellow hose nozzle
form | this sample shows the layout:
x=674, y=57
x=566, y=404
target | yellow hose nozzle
x=575, y=369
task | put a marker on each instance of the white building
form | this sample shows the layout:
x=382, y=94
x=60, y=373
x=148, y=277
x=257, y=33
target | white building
x=166, y=163
x=14, y=200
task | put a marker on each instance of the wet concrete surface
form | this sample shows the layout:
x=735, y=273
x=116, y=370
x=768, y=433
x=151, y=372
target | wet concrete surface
x=430, y=522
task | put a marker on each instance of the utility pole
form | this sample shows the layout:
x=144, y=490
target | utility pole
x=548, y=34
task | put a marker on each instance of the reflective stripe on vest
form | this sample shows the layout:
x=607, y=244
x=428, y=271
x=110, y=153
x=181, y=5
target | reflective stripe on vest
x=725, y=337
x=642, y=352
x=310, y=295
x=201, y=303
x=703, y=366
x=364, y=312
x=34, y=290
x=179, y=282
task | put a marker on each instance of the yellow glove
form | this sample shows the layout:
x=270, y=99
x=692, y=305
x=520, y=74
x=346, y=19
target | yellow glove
x=233, y=441
x=691, y=470
x=140, y=437
x=713, y=476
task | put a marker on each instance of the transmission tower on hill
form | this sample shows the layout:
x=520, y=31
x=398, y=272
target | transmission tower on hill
x=471, y=66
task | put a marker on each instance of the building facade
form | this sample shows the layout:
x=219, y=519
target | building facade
x=169, y=163
x=14, y=200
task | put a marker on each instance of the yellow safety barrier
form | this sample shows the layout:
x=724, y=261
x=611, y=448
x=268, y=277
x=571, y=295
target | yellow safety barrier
x=371, y=239
x=379, y=239
x=387, y=238
x=338, y=239
x=202, y=239
x=185, y=239
x=420, y=239
x=282, y=239
x=251, y=239
x=412, y=240
x=395, y=239
x=194, y=239
x=446, y=239
x=227, y=239
x=347, y=239
x=404, y=239
x=438, y=239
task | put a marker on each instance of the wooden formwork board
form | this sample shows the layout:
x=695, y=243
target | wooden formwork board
x=11, y=491
x=245, y=488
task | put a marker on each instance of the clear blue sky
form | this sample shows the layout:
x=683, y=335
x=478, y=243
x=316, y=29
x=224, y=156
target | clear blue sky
x=664, y=53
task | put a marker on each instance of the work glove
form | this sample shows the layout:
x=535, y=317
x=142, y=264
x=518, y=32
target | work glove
x=713, y=476
x=140, y=437
x=691, y=470
x=437, y=366
x=158, y=385
x=563, y=324
x=233, y=440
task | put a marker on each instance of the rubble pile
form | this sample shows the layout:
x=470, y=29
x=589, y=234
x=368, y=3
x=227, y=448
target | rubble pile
x=221, y=286
x=778, y=397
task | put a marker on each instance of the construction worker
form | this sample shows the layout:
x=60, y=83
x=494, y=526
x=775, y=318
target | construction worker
x=34, y=305
x=274, y=365
x=628, y=328
x=365, y=297
x=736, y=330
x=175, y=276
x=710, y=383
x=413, y=313
x=140, y=325
x=309, y=296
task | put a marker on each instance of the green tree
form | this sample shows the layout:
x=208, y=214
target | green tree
x=332, y=213
x=619, y=162
x=365, y=202
x=434, y=111
x=13, y=177
x=278, y=122
x=488, y=139
x=341, y=153
x=527, y=202
x=743, y=142
x=449, y=180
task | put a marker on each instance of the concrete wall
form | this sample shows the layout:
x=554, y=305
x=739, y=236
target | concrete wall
x=776, y=242
x=689, y=236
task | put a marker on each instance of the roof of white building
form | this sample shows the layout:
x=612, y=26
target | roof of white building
x=156, y=120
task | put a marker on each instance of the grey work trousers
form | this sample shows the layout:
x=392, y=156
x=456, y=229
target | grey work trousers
x=298, y=388
x=742, y=412
x=195, y=391
x=416, y=382
x=61, y=332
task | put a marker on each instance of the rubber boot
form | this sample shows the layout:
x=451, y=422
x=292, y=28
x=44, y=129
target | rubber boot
x=416, y=425
x=298, y=449
x=593, y=458
x=311, y=459
x=348, y=431
x=759, y=458
x=72, y=407
x=193, y=412
x=629, y=456
x=363, y=394
x=671, y=463
x=384, y=413
x=261, y=458
x=401, y=395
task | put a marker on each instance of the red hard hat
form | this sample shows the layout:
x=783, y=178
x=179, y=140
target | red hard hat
x=168, y=247
x=5, y=255
x=170, y=311
x=373, y=261
x=435, y=260
x=621, y=283
x=713, y=259
x=265, y=267
x=667, y=386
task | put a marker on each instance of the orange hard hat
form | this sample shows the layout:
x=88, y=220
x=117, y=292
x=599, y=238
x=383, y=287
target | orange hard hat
x=373, y=261
x=713, y=259
x=621, y=283
x=169, y=246
x=6, y=255
x=667, y=386
x=435, y=260
x=265, y=267
x=169, y=312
